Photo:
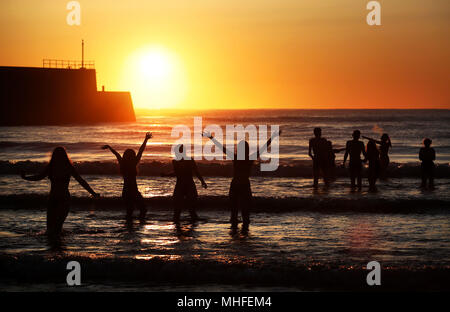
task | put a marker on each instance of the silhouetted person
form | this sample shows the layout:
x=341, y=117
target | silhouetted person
x=128, y=168
x=185, y=193
x=240, y=190
x=318, y=147
x=355, y=148
x=373, y=156
x=331, y=160
x=427, y=155
x=59, y=170
x=385, y=145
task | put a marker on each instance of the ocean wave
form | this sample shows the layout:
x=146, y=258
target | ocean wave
x=98, y=269
x=260, y=204
x=47, y=147
x=294, y=168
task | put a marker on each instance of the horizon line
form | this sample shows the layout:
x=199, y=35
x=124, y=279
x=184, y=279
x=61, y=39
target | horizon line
x=278, y=109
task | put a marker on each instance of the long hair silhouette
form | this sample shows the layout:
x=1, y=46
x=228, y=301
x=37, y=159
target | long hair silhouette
x=59, y=161
x=128, y=169
x=128, y=165
x=59, y=170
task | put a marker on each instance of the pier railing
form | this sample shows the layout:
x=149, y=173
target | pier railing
x=49, y=63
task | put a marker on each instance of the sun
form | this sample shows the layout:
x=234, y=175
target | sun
x=155, y=77
x=156, y=66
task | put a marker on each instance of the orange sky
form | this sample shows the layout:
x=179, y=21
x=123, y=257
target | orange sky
x=248, y=54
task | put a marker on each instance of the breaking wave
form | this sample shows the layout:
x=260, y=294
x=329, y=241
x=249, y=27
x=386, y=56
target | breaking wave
x=298, y=168
x=260, y=204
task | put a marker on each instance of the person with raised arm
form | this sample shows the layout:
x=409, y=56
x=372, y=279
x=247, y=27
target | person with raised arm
x=59, y=171
x=128, y=169
x=385, y=145
x=240, y=190
x=355, y=148
x=185, y=192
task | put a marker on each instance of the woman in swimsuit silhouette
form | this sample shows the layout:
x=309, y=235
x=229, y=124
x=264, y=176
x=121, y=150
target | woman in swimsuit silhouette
x=240, y=191
x=385, y=145
x=373, y=156
x=130, y=193
x=59, y=170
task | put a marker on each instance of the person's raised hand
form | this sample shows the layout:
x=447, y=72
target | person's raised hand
x=148, y=135
x=105, y=146
x=207, y=135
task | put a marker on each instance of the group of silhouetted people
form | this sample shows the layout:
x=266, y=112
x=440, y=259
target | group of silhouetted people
x=376, y=153
x=60, y=169
x=323, y=155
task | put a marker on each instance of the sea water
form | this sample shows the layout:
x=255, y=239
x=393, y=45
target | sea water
x=299, y=238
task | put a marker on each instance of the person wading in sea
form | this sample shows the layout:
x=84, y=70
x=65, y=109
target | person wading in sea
x=373, y=156
x=240, y=191
x=427, y=155
x=355, y=148
x=385, y=145
x=331, y=160
x=128, y=168
x=185, y=193
x=317, y=150
x=59, y=171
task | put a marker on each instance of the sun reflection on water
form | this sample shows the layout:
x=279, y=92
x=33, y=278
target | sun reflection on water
x=159, y=227
x=162, y=257
x=159, y=241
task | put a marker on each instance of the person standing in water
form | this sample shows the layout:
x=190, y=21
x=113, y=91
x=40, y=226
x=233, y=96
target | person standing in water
x=373, y=156
x=355, y=148
x=331, y=159
x=185, y=193
x=385, y=145
x=59, y=171
x=317, y=150
x=427, y=155
x=128, y=169
x=240, y=190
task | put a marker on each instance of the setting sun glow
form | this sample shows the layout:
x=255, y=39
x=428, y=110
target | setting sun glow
x=156, y=66
x=245, y=54
x=155, y=77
